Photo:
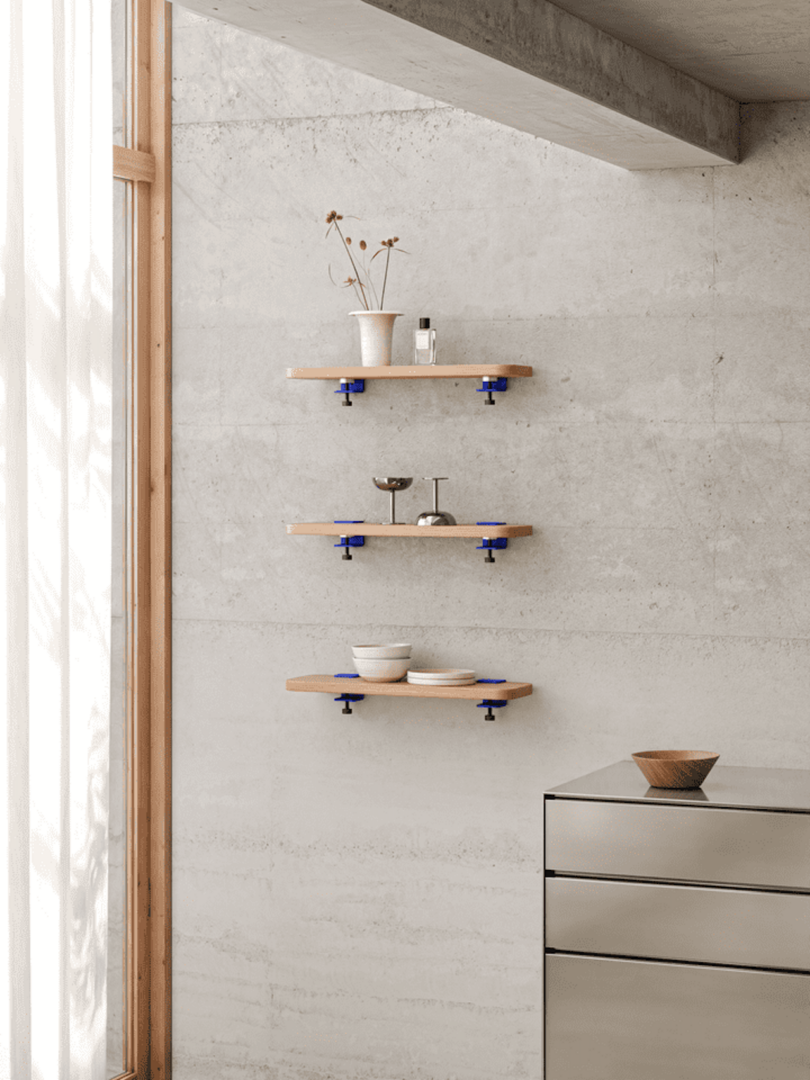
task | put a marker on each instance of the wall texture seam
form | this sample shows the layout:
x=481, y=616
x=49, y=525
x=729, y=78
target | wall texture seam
x=552, y=631
x=307, y=118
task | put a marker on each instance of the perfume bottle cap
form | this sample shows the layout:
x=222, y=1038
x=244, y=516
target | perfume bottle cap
x=424, y=324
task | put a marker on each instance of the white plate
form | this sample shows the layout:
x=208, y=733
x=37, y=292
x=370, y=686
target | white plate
x=436, y=674
x=467, y=681
x=440, y=686
x=449, y=682
x=437, y=678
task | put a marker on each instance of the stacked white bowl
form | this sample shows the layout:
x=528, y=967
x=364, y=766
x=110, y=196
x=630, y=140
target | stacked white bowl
x=381, y=663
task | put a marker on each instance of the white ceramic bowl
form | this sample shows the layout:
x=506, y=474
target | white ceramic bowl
x=381, y=670
x=381, y=652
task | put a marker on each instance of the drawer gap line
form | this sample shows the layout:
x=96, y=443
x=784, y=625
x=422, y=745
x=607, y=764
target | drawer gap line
x=675, y=883
x=679, y=963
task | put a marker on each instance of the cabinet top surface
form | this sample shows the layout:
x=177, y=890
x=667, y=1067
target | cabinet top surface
x=730, y=785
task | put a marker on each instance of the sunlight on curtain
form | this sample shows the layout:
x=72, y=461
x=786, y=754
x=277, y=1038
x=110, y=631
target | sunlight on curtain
x=55, y=375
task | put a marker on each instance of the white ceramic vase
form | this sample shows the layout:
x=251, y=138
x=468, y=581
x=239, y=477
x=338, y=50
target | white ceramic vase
x=376, y=332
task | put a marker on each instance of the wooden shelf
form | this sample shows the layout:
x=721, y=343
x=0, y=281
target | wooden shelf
x=445, y=532
x=328, y=684
x=401, y=371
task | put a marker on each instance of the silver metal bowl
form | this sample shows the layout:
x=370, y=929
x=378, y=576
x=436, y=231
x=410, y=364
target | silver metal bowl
x=392, y=484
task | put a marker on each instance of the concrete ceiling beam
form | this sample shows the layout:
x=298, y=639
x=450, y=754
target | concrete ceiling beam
x=523, y=63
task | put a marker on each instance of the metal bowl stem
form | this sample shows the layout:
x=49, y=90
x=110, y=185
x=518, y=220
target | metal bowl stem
x=435, y=516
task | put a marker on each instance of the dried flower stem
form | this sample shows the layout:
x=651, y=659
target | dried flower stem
x=354, y=267
x=385, y=276
x=367, y=272
x=360, y=297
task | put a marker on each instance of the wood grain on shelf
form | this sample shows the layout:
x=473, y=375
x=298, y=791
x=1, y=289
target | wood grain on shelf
x=402, y=371
x=446, y=532
x=328, y=684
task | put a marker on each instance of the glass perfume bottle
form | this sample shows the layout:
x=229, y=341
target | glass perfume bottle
x=424, y=343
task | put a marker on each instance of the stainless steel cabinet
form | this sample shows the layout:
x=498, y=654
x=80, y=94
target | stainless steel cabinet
x=678, y=928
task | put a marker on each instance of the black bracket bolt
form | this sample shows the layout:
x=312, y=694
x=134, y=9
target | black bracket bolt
x=347, y=699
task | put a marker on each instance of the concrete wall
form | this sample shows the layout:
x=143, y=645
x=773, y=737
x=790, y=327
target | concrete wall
x=360, y=897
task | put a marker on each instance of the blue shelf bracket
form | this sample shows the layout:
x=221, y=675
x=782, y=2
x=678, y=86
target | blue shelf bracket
x=348, y=699
x=350, y=386
x=490, y=387
x=488, y=544
x=491, y=703
x=347, y=542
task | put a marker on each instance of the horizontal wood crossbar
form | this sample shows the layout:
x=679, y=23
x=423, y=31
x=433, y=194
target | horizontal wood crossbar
x=445, y=532
x=328, y=684
x=134, y=165
x=400, y=371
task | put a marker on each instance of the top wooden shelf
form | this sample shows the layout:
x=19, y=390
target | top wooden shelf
x=426, y=371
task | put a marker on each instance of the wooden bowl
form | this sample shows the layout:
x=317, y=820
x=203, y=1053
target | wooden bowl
x=682, y=769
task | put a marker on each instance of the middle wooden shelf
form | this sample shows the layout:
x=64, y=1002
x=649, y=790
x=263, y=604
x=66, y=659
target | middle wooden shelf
x=445, y=532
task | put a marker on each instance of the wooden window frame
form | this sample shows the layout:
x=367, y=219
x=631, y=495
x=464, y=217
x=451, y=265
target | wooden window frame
x=146, y=163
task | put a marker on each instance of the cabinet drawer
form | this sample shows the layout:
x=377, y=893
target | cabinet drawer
x=631, y=1020
x=679, y=922
x=688, y=843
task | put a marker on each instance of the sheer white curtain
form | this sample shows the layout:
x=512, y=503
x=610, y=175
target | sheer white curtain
x=55, y=449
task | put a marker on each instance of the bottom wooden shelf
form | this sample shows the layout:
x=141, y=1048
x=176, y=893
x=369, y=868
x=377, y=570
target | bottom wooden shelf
x=492, y=695
x=328, y=684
